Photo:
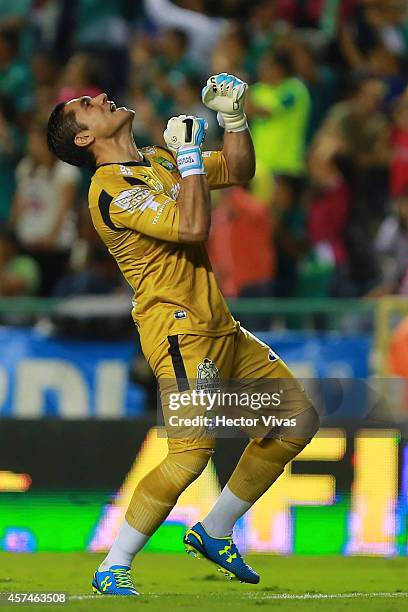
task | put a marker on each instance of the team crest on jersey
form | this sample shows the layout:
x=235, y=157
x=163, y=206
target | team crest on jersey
x=208, y=378
x=166, y=164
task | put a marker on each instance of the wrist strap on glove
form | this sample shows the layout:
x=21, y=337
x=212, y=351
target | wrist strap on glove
x=190, y=160
x=232, y=123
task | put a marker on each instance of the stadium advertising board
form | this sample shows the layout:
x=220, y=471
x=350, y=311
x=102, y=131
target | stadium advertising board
x=352, y=486
x=43, y=376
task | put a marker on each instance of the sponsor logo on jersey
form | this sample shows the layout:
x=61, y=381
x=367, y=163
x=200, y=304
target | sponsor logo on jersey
x=137, y=198
x=180, y=314
x=149, y=150
x=159, y=212
x=208, y=378
x=125, y=171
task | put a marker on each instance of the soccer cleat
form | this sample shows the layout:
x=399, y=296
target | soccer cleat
x=116, y=581
x=221, y=551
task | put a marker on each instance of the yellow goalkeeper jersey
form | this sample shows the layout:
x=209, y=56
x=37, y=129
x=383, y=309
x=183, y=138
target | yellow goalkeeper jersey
x=134, y=210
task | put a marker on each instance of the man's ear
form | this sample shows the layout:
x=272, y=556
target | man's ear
x=84, y=138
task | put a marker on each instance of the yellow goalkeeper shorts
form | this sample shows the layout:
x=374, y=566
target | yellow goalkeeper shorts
x=186, y=362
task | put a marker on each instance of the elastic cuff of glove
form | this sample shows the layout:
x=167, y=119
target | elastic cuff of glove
x=190, y=160
x=231, y=123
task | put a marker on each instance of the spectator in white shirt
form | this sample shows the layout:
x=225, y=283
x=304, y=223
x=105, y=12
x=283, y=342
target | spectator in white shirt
x=42, y=215
x=203, y=31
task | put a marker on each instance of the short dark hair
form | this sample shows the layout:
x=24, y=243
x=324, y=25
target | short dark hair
x=61, y=131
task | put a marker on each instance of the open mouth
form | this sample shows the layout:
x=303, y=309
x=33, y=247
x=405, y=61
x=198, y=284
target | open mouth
x=112, y=107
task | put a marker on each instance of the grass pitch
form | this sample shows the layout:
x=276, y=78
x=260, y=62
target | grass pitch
x=175, y=582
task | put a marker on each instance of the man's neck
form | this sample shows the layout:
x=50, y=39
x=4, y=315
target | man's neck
x=120, y=148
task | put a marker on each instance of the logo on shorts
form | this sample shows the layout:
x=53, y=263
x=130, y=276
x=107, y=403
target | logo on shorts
x=208, y=378
x=272, y=356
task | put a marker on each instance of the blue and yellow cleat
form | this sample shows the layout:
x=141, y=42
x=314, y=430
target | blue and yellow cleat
x=116, y=581
x=221, y=551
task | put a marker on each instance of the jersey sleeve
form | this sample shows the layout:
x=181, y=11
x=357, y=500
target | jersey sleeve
x=216, y=169
x=143, y=210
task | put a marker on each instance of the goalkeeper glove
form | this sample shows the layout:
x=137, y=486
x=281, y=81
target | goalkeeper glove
x=226, y=94
x=184, y=135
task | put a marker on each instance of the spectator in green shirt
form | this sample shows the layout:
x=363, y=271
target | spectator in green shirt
x=265, y=29
x=290, y=232
x=279, y=109
x=320, y=81
x=170, y=67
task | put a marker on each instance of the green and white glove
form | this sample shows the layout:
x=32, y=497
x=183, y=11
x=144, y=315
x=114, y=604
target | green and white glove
x=225, y=94
x=184, y=135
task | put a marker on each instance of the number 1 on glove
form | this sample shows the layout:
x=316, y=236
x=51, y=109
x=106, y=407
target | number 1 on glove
x=185, y=135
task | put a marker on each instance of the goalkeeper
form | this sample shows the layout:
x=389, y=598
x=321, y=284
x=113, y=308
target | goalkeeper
x=151, y=207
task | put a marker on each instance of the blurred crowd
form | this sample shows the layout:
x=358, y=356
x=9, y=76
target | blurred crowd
x=327, y=213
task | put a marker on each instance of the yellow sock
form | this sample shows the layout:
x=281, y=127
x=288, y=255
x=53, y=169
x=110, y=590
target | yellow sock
x=261, y=463
x=157, y=493
x=264, y=460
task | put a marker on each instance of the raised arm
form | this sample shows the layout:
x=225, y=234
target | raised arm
x=239, y=154
x=184, y=135
x=166, y=14
x=225, y=94
x=194, y=205
x=186, y=219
